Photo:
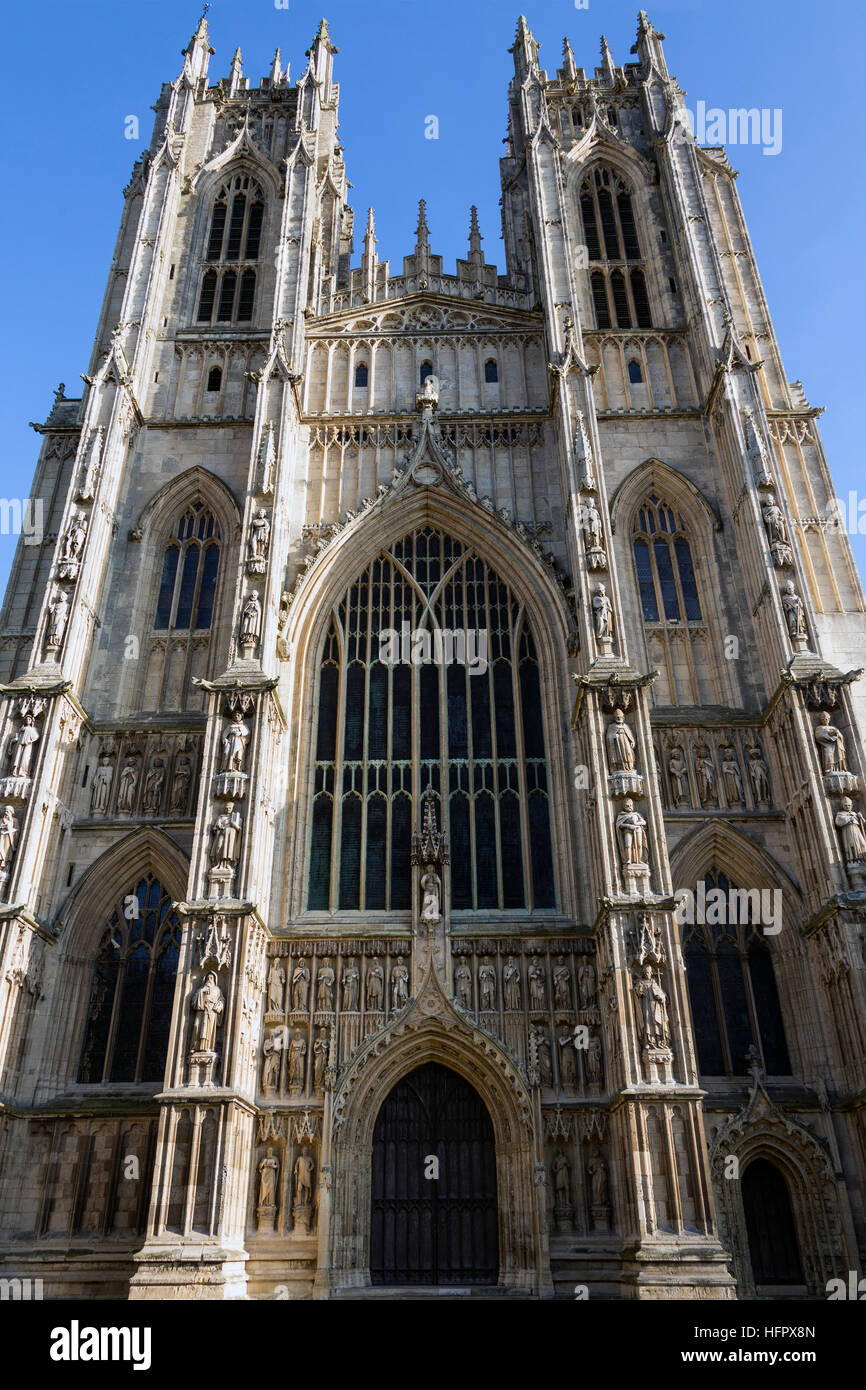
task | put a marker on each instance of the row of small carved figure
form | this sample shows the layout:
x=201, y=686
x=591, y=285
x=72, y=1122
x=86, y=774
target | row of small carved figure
x=300, y=981
x=706, y=774
x=149, y=793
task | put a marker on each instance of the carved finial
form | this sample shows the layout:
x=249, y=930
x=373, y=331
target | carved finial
x=422, y=230
x=474, y=235
x=276, y=73
x=568, y=63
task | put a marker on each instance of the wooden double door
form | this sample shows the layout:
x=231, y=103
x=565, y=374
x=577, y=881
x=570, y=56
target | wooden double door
x=434, y=1210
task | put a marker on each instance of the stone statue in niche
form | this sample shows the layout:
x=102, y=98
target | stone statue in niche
x=542, y=1050
x=207, y=1007
x=679, y=775
x=101, y=786
x=537, y=988
x=58, y=616
x=276, y=986
x=73, y=541
x=594, y=1060
x=399, y=985
x=631, y=834
x=561, y=1170
x=260, y=530
x=487, y=984
x=852, y=828
x=731, y=776
x=270, y=1063
x=321, y=1048
x=777, y=532
x=759, y=775
x=300, y=986
x=153, y=787
x=602, y=612
x=431, y=896
x=705, y=772
x=351, y=980
x=180, y=784
x=463, y=984
x=598, y=1185
x=226, y=843
x=251, y=621
x=795, y=614
x=8, y=837
x=268, y=1173
x=586, y=985
x=236, y=736
x=567, y=1061
x=375, y=984
x=653, y=1024
x=304, y=1167
x=620, y=744
x=297, y=1059
x=511, y=984
x=325, y=987
x=127, y=784
x=831, y=743
x=22, y=746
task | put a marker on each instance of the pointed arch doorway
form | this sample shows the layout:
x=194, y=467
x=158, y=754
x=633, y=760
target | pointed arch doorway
x=433, y=1222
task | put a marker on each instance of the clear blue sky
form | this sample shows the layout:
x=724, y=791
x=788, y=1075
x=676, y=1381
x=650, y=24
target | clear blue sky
x=74, y=72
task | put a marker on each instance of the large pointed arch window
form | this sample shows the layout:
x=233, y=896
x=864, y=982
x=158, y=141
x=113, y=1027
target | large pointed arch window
x=402, y=706
x=617, y=272
x=677, y=633
x=184, y=611
x=732, y=986
x=228, y=282
x=132, y=989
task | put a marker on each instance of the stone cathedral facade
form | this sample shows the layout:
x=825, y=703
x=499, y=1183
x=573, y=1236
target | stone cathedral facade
x=432, y=844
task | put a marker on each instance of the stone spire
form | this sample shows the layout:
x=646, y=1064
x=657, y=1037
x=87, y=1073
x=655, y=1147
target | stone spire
x=276, y=73
x=369, y=259
x=569, y=67
x=525, y=49
x=607, y=65
x=198, y=51
x=321, y=56
x=476, y=256
x=236, y=74
x=648, y=46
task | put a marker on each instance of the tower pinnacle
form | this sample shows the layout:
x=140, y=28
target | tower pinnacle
x=198, y=51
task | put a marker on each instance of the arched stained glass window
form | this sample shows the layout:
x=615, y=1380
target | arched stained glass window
x=429, y=677
x=132, y=990
x=613, y=250
x=663, y=558
x=189, y=572
x=233, y=246
x=732, y=986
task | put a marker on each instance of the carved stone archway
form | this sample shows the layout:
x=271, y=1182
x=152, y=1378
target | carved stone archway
x=431, y=1029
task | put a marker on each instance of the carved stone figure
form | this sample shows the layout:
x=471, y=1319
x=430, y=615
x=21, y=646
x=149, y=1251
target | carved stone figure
x=620, y=744
x=127, y=784
x=537, y=987
x=431, y=896
x=260, y=530
x=567, y=1061
x=276, y=986
x=631, y=834
x=22, y=746
x=268, y=1172
x=591, y=517
x=705, y=772
x=831, y=743
x=325, y=987
x=463, y=984
x=795, y=612
x=226, y=842
x=304, y=1167
x=652, y=1010
x=297, y=1057
x=853, y=830
x=375, y=984
x=153, y=787
x=180, y=784
x=602, y=612
x=351, y=980
x=8, y=836
x=101, y=787
x=593, y=1060
x=511, y=984
x=300, y=986
x=561, y=1170
x=58, y=616
x=679, y=775
x=207, y=1007
x=731, y=775
x=776, y=526
x=236, y=736
x=561, y=984
x=321, y=1048
x=598, y=1186
x=73, y=541
x=251, y=620
x=487, y=984
x=759, y=774
x=542, y=1049
x=399, y=985
x=586, y=984
x=270, y=1064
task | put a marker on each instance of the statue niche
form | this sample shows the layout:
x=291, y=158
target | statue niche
x=430, y=898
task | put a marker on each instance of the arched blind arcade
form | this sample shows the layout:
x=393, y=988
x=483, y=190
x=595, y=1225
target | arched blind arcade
x=429, y=677
x=126, y=1038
